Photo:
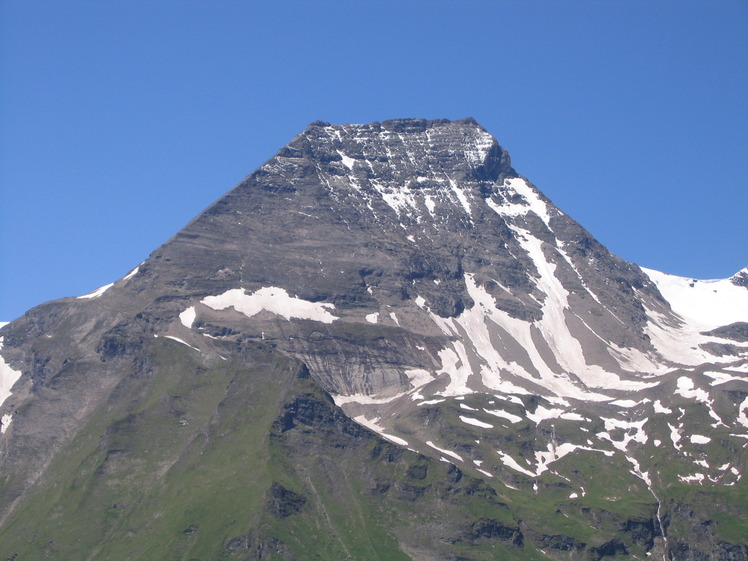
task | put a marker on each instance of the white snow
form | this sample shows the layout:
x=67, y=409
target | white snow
x=700, y=439
x=393, y=316
x=541, y=414
x=742, y=408
x=364, y=399
x=98, y=292
x=675, y=436
x=633, y=431
x=705, y=303
x=443, y=451
x=722, y=378
x=418, y=377
x=188, y=316
x=626, y=403
x=8, y=377
x=475, y=325
x=5, y=422
x=347, y=161
x=504, y=415
x=687, y=389
x=373, y=425
x=544, y=459
x=510, y=462
x=272, y=299
x=373, y=318
x=570, y=416
x=691, y=478
x=531, y=202
x=132, y=273
x=178, y=340
x=659, y=408
x=430, y=402
x=475, y=422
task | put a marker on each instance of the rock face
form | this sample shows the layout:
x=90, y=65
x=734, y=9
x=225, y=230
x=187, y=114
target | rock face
x=383, y=344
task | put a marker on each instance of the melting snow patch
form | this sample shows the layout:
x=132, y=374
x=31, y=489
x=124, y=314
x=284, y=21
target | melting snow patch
x=541, y=413
x=475, y=422
x=659, y=408
x=8, y=377
x=686, y=389
x=178, y=340
x=722, y=378
x=98, y=292
x=572, y=417
x=272, y=299
x=626, y=403
x=363, y=399
x=504, y=415
x=675, y=436
x=700, y=439
x=691, y=478
x=447, y=452
x=373, y=318
x=742, y=417
x=372, y=425
x=510, y=462
x=4, y=422
x=429, y=402
x=132, y=273
x=347, y=161
x=188, y=316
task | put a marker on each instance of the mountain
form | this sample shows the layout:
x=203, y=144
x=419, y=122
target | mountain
x=384, y=343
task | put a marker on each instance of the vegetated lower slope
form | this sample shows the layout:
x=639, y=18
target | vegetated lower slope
x=383, y=344
x=247, y=458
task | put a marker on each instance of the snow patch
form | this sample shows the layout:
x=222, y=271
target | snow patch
x=373, y=318
x=5, y=422
x=373, y=425
x=705, y=303
x=188, y=316
x=132, y=273
x=504, y=415
x=659, y=408
x=8, y=377
x=274, y=300
x=443, y=451
x=96, y=293
x=178, y=340
x=475, y=422
x=687, y=389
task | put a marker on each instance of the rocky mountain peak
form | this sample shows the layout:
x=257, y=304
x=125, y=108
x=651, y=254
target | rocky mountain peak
x=395, y=303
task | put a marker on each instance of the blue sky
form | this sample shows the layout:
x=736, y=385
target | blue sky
x=122, y=120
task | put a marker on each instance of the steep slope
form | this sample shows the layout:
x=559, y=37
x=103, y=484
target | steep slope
x=586, y=407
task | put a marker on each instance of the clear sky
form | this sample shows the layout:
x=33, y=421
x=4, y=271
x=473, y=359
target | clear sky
x=122, y=120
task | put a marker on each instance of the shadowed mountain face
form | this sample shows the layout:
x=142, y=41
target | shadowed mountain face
x=383, y=344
